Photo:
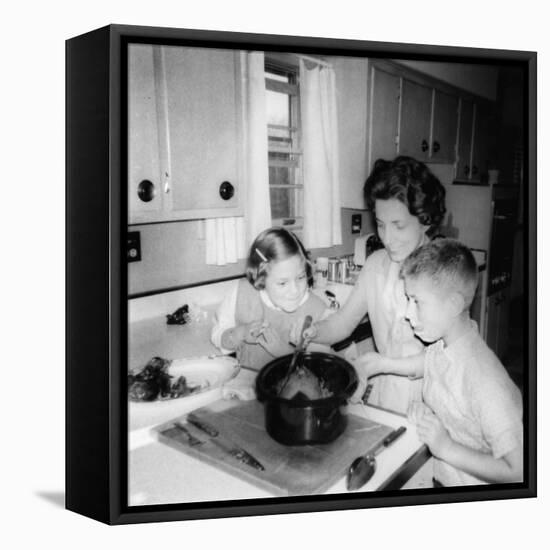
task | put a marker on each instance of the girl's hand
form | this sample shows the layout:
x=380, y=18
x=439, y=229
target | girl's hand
x=296, y=327
x=272, y=342
x=250, y=332
x=432, y=432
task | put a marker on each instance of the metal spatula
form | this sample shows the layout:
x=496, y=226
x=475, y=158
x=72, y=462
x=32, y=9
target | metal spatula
x=297, y=352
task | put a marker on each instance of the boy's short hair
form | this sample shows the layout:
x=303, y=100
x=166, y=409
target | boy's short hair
x=450, y=265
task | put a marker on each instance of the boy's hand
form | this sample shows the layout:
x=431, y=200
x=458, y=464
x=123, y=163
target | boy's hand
x=432, y=432
x=416, y=411
x=272, y=342
x=370, y=363
x=295, y=329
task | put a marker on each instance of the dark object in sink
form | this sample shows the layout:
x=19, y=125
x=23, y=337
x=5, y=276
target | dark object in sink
x=301, y=420
x=179, y=317
x=153, y=382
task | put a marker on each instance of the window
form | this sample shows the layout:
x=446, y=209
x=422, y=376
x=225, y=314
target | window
x=284, y=150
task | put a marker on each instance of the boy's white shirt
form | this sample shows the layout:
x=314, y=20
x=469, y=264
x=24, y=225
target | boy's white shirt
x=225, y=315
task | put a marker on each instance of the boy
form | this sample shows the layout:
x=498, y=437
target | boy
x=471, y=414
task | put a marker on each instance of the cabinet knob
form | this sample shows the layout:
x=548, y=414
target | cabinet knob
x=226, y=190
x=474, y=170
x=466, y=170
x=436, y=146
x=146, y=190
x=424, y=146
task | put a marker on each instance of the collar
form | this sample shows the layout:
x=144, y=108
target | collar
x=462, y=347
x=267, y=300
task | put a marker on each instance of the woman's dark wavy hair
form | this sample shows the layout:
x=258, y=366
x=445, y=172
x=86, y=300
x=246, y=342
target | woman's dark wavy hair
x=411, y=182
x=274, y=244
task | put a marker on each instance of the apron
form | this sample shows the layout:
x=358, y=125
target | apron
x=393, y=337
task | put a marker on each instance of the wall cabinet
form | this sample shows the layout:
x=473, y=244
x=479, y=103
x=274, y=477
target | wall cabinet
x=184, y=133
x=475, y=141
x=409, y=116
x=145, y=199
x=444, y=127
x=384, y=96
x=428, y=123
x=413, y=115
x=415, y=120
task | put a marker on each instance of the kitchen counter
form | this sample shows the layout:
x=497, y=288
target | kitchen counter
x=160, y=474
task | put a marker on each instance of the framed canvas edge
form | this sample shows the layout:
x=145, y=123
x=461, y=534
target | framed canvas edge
x=112, y=509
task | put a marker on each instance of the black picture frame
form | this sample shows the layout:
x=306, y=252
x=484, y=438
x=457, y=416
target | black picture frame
x=97, y=288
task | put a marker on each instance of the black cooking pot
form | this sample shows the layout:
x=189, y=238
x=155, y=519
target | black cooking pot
x=300, y=421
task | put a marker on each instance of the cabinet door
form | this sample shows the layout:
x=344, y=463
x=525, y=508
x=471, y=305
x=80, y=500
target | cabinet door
x=464, y=148
x=444, y=127
x=415, y=120
x=201, y=102
x=483, y=132
x=144, y=183
x=383, y=114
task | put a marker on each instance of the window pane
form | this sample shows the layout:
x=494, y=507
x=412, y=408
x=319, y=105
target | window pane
x=280, y=203
x=279, y=175
x=278, y=108
x=285, y=202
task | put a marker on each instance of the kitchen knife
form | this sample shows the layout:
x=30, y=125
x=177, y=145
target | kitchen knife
x=363, y=467
x=191, y=439
x=224, y=444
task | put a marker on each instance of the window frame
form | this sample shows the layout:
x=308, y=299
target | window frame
x=288, y=68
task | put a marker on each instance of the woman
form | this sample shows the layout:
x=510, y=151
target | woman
x=408, y=204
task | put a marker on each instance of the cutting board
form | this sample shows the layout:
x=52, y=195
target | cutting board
x=289, y=470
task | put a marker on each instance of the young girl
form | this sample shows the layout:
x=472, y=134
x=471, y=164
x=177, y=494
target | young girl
x=255, y=318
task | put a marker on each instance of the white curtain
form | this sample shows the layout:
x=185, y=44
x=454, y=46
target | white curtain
x=322, y=219
x=228, y=239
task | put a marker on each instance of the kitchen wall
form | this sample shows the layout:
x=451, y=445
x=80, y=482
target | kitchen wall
x=173, y=254
x=468, y=216
x=477, y=79
x=351, y=93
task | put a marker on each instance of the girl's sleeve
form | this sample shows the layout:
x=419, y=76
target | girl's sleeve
x=224, y=318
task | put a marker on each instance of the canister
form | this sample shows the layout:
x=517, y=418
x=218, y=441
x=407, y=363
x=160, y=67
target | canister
x=333, y=270
x=343, y=273
x=321, y=275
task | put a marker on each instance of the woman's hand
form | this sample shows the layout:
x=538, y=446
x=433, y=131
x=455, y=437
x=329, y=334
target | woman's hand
x=295, y=330
x=432, y=432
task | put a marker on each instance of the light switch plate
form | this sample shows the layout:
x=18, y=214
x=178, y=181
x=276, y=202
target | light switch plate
x=356, y=220
x=133, y=247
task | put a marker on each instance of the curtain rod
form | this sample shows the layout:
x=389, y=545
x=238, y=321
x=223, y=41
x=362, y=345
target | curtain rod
x=314, y=60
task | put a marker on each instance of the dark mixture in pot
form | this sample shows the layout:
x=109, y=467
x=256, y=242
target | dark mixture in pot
x=304, y=385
